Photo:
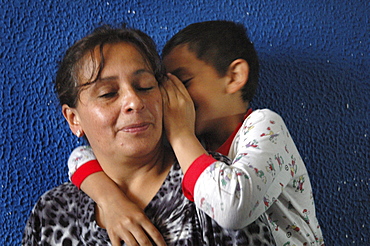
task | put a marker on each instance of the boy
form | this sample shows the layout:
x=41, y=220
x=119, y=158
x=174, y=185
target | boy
x=219, y=67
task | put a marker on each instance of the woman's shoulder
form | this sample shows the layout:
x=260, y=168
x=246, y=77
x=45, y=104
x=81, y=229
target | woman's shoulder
x=62, y=197
x=63, y=203
x=56, y=217
x=65, y=189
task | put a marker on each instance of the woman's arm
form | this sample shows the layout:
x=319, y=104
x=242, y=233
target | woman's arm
x=122, y=218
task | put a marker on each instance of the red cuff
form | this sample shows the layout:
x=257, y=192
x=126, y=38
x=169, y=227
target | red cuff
x=84, y=171
x=192, y=174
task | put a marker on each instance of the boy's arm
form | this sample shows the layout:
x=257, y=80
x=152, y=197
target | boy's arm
x=179, y=122
x=239, y=193
x=235, y=194
x=122, y=218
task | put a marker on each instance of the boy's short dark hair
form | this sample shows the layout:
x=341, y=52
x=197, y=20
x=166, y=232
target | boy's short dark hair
x=219, y=43
x=66, y=82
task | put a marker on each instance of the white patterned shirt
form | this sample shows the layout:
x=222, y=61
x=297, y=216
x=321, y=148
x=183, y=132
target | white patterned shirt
x=267, y=176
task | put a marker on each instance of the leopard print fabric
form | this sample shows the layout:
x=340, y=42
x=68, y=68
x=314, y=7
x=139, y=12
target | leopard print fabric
x=65, y=216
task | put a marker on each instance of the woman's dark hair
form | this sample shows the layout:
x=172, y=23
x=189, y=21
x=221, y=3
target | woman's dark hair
x=66, y=83
x=219, y=43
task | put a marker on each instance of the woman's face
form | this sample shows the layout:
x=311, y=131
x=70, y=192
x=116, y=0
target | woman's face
x=121, y=113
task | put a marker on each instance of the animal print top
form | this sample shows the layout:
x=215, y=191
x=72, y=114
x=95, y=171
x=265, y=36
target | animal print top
x=65, y=216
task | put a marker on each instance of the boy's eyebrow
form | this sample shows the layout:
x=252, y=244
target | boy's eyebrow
x=179, y=71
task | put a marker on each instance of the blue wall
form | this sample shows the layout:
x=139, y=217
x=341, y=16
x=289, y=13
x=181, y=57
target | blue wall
x=315, y=73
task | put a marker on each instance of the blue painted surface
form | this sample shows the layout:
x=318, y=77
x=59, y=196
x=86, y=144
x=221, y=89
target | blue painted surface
x=315, y=73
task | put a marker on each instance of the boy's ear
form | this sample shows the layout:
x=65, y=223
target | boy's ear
x=72, y=117
x=238, y=72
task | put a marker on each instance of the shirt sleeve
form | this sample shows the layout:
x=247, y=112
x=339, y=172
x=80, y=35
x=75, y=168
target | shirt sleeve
x=32, y=231
x=236, y=195
x=82, y=163
x=192, y=174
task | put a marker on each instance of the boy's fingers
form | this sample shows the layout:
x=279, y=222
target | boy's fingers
x=164, y=93
x=129, y=240
x=169, y=91
x=115, y=240
x=178, y=86
x=141, y=237
x=154, y=234
x=176, y=81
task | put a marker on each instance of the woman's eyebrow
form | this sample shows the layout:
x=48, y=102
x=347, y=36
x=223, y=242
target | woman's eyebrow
x=114, y=77
x=109, y=78
x=141, y=71
x=100, y=80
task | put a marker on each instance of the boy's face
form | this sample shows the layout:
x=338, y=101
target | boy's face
x=205, y=86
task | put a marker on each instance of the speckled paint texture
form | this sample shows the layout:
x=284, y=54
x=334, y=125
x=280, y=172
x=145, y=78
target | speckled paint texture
x=315, y=73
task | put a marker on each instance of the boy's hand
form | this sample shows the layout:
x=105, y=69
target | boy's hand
x=178, y=109
x=115, y=212
x=179, y=122
x=125, y=221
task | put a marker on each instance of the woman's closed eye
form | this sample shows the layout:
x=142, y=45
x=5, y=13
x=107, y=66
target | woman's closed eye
x=145, y=88
x=108, y=94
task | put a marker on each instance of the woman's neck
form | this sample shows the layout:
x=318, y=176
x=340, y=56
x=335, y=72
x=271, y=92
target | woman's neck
x=140, y=178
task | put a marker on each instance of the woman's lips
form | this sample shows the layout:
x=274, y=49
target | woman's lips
x=136, y=128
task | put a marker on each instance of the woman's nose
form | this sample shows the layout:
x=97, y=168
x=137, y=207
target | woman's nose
x=132, y=102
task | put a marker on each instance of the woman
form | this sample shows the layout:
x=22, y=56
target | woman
x=108, y=86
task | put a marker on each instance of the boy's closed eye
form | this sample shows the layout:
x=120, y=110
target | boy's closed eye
x=183, y=75
x=186, y=81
